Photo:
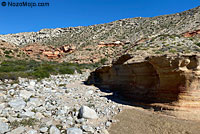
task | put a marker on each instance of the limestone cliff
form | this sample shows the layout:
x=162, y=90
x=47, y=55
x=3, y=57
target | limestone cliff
x=166, y=79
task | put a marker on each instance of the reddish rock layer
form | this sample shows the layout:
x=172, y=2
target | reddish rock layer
x=47, y=51
x=191, y=34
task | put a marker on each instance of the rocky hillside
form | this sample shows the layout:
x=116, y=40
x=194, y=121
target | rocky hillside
x=176, y=33
x=10, y=51
x=131, y=29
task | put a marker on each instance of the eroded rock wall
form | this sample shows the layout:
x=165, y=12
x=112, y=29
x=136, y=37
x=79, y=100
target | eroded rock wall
x=174, y=80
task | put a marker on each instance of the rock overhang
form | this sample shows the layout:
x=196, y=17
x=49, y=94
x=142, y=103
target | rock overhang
x=172, y=80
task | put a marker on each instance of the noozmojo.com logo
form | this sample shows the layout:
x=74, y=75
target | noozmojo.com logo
x=24, y=4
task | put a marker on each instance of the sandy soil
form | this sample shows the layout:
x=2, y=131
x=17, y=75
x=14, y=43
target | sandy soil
x=140, y=121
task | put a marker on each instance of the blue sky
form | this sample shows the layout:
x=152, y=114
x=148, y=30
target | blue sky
x=65, y=13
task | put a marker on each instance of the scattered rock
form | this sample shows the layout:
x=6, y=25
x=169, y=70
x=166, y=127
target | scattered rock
x=54, y=130
x=87, y=128
x=39, y=116
x=18, y=103
x=90, y=92
x=19, y=130
x=32, y=83
x=74, y=131
x=25, y=94
x=3, y=119
x=27, y=114
x=88, y=113
x=108, y=123
x=44, y=129
x=3, y=127
x=35, y=102
x=32, y=131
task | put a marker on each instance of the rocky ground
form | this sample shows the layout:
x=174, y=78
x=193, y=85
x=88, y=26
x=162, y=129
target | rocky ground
x=59, y=104
x=63, y=104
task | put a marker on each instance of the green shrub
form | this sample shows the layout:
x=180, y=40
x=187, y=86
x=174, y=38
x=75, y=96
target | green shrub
x=24, y=122
x=12, y=75
x=102, y=61
x=40, y=72
x=158, y=52
x=12, y=68
x=8, y=56
x=172, y=51
x=66, y=70
x=198, y=44
x=7, y=52
x=21, y=68
x=47, y=67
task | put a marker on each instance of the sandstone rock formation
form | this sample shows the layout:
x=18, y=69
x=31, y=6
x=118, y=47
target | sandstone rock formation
x=173, y=80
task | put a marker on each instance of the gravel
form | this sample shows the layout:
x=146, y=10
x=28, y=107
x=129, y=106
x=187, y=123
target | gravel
x=54, y=105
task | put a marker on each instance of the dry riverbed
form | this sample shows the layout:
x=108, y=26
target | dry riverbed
x=140, y=121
